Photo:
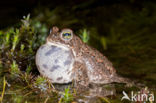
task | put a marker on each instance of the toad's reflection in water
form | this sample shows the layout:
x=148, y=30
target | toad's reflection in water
x=102, y=90
x=92, y=94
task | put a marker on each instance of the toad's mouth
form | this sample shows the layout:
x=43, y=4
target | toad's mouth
x=57, y=44
x=63, y=46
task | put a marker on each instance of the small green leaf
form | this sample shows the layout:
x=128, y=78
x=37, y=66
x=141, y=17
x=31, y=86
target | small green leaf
x=104, y=42
x=84, y=36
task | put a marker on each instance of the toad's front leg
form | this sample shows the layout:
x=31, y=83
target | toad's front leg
x=80, y=76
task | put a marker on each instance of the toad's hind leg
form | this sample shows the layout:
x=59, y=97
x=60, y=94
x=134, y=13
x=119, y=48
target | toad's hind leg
x=80, y=75
x=119, y=79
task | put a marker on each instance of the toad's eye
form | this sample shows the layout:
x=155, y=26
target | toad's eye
x=67, y=35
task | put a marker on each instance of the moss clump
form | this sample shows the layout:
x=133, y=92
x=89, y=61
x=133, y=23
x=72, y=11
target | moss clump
x=14, y=68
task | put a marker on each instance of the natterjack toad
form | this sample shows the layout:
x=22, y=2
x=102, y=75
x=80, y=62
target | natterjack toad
x=65, y=58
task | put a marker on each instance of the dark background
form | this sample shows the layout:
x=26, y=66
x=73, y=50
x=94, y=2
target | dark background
x=11, y=11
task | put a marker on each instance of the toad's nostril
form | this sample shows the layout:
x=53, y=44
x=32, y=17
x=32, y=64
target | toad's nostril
x=54, y=35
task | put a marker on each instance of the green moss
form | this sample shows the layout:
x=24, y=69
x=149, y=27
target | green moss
x=14, y=68
x=67, y=96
